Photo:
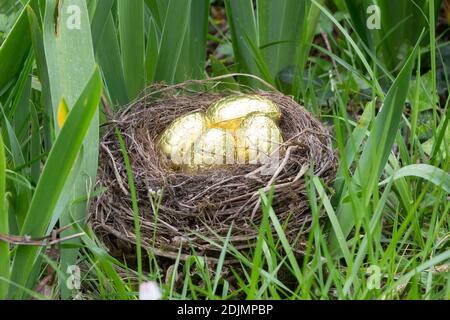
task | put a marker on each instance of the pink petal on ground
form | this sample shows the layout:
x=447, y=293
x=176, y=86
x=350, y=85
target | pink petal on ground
x=149, y=291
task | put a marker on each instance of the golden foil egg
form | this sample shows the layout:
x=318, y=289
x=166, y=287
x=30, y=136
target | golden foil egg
x=215, y=147
x=229, y=112
x=258, y=138
x=177, y=140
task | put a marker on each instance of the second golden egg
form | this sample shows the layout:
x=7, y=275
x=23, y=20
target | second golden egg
x=215, y=147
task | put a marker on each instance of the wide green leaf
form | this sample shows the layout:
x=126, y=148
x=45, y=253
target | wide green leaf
x=99, y=20
x=280, y=27
x=193, y=54
x=172, y=39
x=244, y=33
x=63, y=157
x=132, y=44
x=14, y=50
x=70, y=62
x=429, y=173
x=110, y=61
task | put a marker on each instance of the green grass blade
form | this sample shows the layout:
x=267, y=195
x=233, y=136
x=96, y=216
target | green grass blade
x=427, y=172
x=42, y=72
x=193, y=54
x=4, y=225
x=378, y=148
x=14, y=50
x=354, y=145
x=356, y=10
x=353, y=44
x=362, y=249
x=441, y=258
x=70, y=65
x=340, y=237
x=198, y=31
x=308, y=33
x=280, y=26
x=35, y=146
x=158, y=15
x=50, y=187
x=401, y=24
x=132, y=44
x=257, y=262
x=134, y=201
x=99, y=20
x=103, y=263
x=110, y=61
x=151, y=58
x=243, y=28
x=297, y=273
x=171, y=43
x=386, y=125
x=22, y=196
x=221, y=262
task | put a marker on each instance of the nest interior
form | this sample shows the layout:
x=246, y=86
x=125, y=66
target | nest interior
x=197, y=210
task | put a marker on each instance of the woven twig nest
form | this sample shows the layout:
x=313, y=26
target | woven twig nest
x=199, y=208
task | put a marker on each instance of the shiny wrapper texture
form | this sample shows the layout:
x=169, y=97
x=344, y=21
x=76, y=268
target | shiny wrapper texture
x=258, y=139
x=215, y=147
x=229, y=112
x=177, y=140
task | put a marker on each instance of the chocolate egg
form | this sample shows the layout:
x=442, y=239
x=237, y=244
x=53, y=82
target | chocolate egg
x=181, y=134
x=229, y=112
x=258, y=138
x=215, y=147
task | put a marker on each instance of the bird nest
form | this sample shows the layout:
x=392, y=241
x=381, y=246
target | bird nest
x=185, y=212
